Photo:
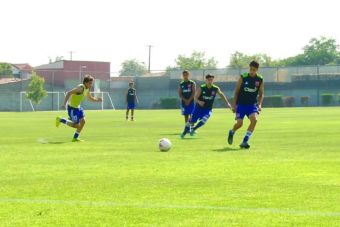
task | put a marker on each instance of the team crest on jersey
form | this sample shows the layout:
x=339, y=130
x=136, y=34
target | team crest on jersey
x=257, y=83
x=189, y=85
x=213, y=93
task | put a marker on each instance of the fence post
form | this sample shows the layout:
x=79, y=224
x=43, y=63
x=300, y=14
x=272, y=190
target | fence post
x=318, y=86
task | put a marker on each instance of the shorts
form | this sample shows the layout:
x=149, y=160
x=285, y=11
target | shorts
x=187, y=110
x=246, y=110
x=200, y=114
x=131, y=106
x=75, y=114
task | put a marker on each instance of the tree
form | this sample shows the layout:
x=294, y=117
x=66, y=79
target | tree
x=240, y=60
x=319, y=51
x=36, y=91
x=5, y=70
x=197, y=60
x=132, y=68
x=57, y=58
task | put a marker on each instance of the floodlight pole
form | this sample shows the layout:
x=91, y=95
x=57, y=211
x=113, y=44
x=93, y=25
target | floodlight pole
x=149, y=65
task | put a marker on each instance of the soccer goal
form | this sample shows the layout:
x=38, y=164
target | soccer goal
x=54, y=100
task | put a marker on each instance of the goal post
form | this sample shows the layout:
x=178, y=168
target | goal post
x=24, y=101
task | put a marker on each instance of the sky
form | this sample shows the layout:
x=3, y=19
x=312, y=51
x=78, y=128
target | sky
x=116, y=30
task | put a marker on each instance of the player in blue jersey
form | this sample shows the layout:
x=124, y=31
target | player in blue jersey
x=131, y=100
x=204, y=99
x=248, y=98
x=186, y=92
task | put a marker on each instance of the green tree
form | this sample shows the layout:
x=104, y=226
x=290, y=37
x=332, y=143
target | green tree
x=241, y=60
x=132, y=67
x=36, y=91
x=319, y=51
x=197, y=60
x=5, y=70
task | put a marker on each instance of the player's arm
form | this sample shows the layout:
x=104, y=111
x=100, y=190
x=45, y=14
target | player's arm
x=236, y=92
x=222, y=96
x=126, y=97
x=180, y=94
x=76, y=90
x=197, y=95
x=193, y=89
x=93, y=99
x=136, y=98
x=261, y=96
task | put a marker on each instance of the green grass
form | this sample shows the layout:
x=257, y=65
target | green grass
x=290, y=176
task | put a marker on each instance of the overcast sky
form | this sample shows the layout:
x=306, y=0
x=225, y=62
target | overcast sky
x=116, y=30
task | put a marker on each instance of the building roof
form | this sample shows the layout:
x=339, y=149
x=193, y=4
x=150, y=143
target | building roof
x=23, y=67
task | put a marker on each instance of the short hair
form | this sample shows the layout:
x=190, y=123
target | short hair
x=185, y=72
x=209, y=76
x=131, y=82
x=87, y=78
x=254, y=64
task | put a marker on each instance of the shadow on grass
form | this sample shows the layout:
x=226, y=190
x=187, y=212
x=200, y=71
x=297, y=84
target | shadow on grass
x=57, y=142
x=226, y=149
x=170, y=134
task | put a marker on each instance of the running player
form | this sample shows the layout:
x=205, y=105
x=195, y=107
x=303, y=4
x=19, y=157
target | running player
x=75, y=112
x=186, y=92
x=248, y=98
x=131, y=100
x=204, y=99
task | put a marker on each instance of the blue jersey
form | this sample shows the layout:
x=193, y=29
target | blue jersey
x=249, y=89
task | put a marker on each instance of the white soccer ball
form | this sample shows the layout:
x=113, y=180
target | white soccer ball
x=164, y=144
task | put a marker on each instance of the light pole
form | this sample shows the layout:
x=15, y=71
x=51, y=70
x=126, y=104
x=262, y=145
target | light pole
x=149, y=65
x=80, y=71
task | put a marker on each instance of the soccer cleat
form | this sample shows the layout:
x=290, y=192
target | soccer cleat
x=77, y=140
x=244, y=145
x=192, y=133
x=182, y=136
x=230, y=137
x=57, y=121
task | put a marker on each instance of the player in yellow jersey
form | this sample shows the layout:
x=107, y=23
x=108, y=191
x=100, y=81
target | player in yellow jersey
x=76, y=113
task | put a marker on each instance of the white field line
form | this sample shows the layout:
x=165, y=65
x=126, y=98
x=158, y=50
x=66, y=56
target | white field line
x=161, y=206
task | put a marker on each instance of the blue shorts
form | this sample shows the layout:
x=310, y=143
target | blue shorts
x=200, y=114
x=187, y=110
x=75, y=114
x=131, y=106
x=246, y=110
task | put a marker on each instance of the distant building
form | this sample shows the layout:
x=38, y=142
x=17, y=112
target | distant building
x=58, y=72
x=22, y=71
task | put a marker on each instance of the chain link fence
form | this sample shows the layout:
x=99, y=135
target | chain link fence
x=295, y=86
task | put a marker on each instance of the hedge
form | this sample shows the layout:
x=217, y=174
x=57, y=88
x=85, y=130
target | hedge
x=169, y=103
x=327, y=99
x=273, y=101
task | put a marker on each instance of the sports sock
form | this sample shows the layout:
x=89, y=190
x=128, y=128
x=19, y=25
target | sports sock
x=199, y=124
x=247, y=137
x=65, y=121
x=186, y=128
x=76, y=135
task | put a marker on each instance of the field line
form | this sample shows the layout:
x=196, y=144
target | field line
x=162, y=206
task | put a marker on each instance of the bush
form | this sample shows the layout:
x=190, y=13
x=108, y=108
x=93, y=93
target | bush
x=304, y=100
x=338, y=98
x=289, y=101
x=327, y=99
x=273, y=101
x=169, y=103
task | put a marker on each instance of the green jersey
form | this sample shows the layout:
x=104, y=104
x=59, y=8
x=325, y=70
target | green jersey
x=208, y=95
x=249, y=89
x=76, y=99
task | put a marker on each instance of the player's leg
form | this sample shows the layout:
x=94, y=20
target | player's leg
x=79, y=129
x=251, y=128
x=191, y=122
x=240, y=113
x=132, y=114
x=127, y=113
x=186, y=118
x=79, y=119
x=203, y=120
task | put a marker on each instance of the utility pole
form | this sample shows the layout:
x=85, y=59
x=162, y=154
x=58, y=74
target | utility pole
x=71, y=53
x=149, y=65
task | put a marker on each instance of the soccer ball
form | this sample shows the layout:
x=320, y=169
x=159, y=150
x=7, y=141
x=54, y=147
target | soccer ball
x=164, y=144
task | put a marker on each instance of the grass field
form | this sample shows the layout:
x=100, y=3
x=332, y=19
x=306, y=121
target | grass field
x=289, y=177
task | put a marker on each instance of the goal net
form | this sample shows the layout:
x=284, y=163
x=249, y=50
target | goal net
x=55, y=99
